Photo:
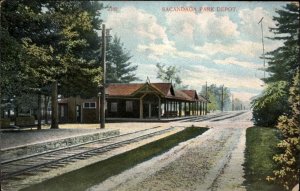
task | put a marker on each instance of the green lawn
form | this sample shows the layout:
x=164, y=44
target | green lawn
x=260, y=147
x=91, y=175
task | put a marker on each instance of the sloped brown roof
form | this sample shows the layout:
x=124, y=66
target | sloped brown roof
x=128, y=89
x=122, y=89
x=163, y=87
x=201, y=98
x=191, y=93
x=179, y=94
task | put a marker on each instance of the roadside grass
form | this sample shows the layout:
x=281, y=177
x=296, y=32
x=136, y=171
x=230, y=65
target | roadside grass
x=260, y=148
x=86, y=177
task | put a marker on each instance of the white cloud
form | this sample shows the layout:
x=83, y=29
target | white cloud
x=249, y=22
x=234, y=61
x=247, y=48
x=190, y=27
x=158, y=51
x=146, y=70
x=199, y=74
x=132, y=23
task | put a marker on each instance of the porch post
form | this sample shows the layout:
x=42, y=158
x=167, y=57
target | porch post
x=159, y=108
x=184, y=108
x=180, y=109
x=141, y=108
x=150, y=109
x=165, y=107
x=201, y=108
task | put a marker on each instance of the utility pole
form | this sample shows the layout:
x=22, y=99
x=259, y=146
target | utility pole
x=232, y=103
x=206, y=96
x=262, y=41
x=222, y=99
x=102, y=87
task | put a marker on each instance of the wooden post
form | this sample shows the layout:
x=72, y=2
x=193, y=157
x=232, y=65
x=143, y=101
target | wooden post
x=201, y=108
x=222, y=99
x=159, y=108
x=141, y=108
x=180, y=108
x=46, y=101
x=167, y=108
x=39, y=116
x=102, y=98
x=150, y=110
x=54, y=106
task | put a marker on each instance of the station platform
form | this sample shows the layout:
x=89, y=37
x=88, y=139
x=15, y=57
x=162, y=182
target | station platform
x=27, y=142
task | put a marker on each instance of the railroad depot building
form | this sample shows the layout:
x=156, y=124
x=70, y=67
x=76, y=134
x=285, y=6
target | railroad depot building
x=136, y=101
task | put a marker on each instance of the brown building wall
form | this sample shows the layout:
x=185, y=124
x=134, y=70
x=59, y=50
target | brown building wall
x=85, y=115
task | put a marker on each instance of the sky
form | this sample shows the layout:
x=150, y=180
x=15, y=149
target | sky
x=214, y=42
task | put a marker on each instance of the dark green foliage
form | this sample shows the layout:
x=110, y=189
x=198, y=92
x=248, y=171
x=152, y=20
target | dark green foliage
x=214, y=94
x=119, y=68
x=282, y=66
x=59, y=40
x=260, y=148
x=284, y=60
x=288, y=160
x=98, y=172
x=271, y=104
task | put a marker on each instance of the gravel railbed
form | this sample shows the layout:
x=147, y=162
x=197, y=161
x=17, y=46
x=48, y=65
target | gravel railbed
x=211, y=161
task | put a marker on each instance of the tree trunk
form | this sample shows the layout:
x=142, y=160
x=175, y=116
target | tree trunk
x=54, y=106
x=46, y=101
x=39, y=127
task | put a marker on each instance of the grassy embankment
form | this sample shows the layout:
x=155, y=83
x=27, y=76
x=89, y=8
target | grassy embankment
x=260, y=148
x=91, y=175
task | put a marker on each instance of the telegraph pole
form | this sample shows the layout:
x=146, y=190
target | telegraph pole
x=222, y=99
x=262, y=41
x=102, y=87
x=232, y=103
x=206, y=96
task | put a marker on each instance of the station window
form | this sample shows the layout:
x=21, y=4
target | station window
x=129, y=106
x=114, y=107
x=89, y=105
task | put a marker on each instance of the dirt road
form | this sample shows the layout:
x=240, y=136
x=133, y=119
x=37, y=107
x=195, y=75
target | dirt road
x=212, y=161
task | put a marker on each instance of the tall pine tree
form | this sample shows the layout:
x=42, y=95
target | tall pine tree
x=119, y=68
x=283, y=61
x=282, y=65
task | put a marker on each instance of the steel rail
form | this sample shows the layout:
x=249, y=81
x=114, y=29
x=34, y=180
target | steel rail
x=72, y=146
x=81, y=155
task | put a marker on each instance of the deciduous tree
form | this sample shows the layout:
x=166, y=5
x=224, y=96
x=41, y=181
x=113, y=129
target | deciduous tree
x=169, y=74
x=289, y=159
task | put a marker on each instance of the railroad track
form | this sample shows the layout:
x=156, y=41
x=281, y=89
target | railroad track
x=231, y=116
x=206, y=117
x=45, y=161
